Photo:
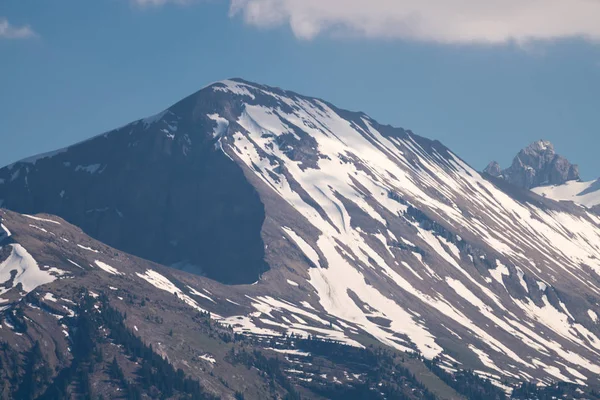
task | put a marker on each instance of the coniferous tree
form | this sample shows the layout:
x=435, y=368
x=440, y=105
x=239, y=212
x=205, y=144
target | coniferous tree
x=114, y=370
x=35, y=374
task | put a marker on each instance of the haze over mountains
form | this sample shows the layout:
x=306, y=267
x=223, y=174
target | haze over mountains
x=282, y=214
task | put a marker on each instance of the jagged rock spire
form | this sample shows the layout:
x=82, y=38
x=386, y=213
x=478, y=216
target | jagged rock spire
x=536, y=165
x=493, y=169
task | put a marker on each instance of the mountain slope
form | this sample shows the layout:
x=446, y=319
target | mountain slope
x=112, y=325
x=584, y=193
x=370, y=233
x=146, y=190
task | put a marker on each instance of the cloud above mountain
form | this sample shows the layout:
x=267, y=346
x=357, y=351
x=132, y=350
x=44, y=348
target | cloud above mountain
x=9, y=31
x=446, y=21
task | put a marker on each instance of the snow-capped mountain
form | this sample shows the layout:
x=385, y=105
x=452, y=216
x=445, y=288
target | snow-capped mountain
x=353, y=231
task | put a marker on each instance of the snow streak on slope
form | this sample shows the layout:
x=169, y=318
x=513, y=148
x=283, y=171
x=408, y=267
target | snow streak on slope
x=41, y=219
x=357, y=184
x=163, y=283
x=107, y=268
x=4, y=232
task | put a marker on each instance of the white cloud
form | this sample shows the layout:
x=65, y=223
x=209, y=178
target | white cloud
x=8, y=31
x=445, y=21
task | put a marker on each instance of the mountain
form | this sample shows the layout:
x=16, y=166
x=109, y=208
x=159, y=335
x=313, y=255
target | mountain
x=82, y=320
x=536, y=165
x=539, y=168
x=155, y=188
x=332, y=225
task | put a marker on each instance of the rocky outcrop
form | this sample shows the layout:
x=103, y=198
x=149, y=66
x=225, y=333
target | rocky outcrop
x=536, y=165
x=493, y=169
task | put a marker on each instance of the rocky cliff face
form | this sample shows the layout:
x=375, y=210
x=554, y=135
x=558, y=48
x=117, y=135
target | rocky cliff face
x=536, y=165
x=159, y=188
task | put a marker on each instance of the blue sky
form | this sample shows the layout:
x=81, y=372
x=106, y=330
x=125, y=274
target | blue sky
x=484, y=81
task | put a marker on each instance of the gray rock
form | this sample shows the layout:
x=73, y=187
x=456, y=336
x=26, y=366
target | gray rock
x=493, y=169
x=536, y=165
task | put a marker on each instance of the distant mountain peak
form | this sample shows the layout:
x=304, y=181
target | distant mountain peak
x=540, y=146
x=493, y=169
x=536, y=165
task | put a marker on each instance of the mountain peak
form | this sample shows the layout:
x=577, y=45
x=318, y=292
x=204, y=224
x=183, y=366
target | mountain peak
x=540, y=146
x=493, y=169
x=536, y=165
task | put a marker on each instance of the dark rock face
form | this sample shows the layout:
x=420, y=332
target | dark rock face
x=536, y=165
x=159, y=188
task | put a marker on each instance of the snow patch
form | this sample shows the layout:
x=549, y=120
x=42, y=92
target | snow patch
x=50, y=297
x=500, y=271
x=584, y=193
x=229, y=86
x=87, y=248
x=222, y=125
x=75, y=264
x=161, y=282
x=107, y=268
x=27, y=270
x=293, y=352
x=197, y=293
x=41, y=219
x=38, y=228
x=304, y=247
x=209, y=358
x=5, y=230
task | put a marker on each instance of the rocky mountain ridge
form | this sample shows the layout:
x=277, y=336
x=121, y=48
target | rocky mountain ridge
x=536, y=165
